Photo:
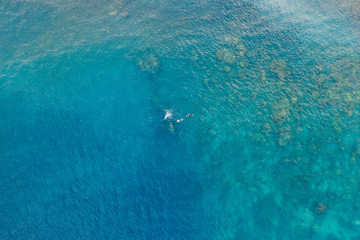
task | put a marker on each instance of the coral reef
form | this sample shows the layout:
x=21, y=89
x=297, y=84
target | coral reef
x=281, y=111
x=321, y=208
x=279, y=67
x=150, y=63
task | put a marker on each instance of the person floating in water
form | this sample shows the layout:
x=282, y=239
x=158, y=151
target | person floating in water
x=169, y=116
x=182, y=119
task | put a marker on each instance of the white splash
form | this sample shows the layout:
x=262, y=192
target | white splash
x=168, y=114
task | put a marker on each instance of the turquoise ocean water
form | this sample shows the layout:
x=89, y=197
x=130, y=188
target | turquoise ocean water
x=272, y=151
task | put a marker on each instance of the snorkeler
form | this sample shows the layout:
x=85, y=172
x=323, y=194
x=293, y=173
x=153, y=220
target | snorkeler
x=169, y=115
x=182, y=119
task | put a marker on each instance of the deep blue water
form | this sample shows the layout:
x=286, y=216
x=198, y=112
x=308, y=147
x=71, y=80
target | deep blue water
x=272, y=151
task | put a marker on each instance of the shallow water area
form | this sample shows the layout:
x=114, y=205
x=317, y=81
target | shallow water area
x=270, y=152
